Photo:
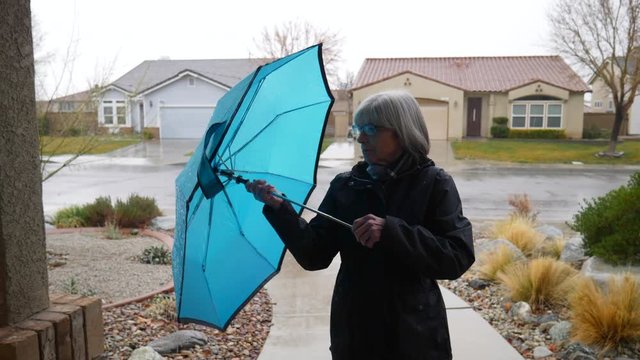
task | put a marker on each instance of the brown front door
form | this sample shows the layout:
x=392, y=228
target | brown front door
x=474, y=109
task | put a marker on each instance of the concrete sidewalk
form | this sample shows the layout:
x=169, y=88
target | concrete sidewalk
x=303, y=299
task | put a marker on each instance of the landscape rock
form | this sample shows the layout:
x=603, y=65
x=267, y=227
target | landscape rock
x=573, y=251
x=601, y=272
x=145, y=353
x=550, y=232
x=478, y=284
x=166, y=223
x=541, y=352
x=560, y=332
x=521, y=311
x=179, y=340
x=493, y=245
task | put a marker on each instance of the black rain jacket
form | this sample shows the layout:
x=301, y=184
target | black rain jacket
x=386, y=303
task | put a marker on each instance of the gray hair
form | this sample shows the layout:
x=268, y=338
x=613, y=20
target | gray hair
x=399, y=111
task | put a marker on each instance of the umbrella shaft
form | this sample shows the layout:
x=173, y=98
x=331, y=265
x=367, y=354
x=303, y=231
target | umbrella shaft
x=325, y=215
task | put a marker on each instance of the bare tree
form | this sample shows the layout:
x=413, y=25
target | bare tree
x=601, y=36
x=292, y=36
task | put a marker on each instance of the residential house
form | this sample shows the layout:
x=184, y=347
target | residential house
x=73, y=114
x=602, y=103
x=459, y=96
x=171, y=99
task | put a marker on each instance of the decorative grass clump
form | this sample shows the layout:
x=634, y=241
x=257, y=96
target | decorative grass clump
x=162, y=307
x=551, y=248
x=606, y=318
x=522, y=207
x=494, y=262
x=71, y=217
x=521, y=232
x=137, y=211
x=540, y=282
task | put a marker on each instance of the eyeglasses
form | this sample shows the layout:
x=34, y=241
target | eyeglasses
x=367, y=129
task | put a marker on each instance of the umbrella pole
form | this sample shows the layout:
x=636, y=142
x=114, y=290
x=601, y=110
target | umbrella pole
x=240, y=180
x=324, y=215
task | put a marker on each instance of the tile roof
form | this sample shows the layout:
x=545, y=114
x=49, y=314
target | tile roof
x=150, y=73
x=491, y=74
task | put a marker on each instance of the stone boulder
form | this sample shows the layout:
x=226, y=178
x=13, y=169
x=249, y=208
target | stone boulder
x=601, y=272
x=487, y=246
x=179, y=340
x=573, y=251
x=145, y=353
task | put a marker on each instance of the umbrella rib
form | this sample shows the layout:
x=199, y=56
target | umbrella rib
x=270, y=173
x=240, y=227
x=266, y=127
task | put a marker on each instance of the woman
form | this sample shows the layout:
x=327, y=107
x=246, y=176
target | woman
x=408, y=231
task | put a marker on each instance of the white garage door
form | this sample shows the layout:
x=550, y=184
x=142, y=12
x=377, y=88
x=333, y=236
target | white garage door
x=178, y=122
x=436, y=114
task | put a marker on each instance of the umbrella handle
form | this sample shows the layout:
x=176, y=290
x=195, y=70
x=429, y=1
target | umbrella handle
x=240, y=180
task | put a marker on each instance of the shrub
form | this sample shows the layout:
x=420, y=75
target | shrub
x=99, y=212
x=520, y=231
x=70, y=217
x=500, y=128
x=606, y=318
x=541, y=282
x=162, y=307
x=494, y=262
x=147, y=135
x=537, y=134
x=137, y=211
x=609, y=224
x=155, y=255
x=112, y=231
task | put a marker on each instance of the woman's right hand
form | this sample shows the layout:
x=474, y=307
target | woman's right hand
x=262, y=191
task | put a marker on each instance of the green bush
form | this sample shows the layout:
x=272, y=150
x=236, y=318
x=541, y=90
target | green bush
x=155, y=255
x=137, y=211
x=537, y=134
x=99, y=212
x=70, y=217
x=147, y=135
x=500, y=120
x=609, y=224
x=500, y=132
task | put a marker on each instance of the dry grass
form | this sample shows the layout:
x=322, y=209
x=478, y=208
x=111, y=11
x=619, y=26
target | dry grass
x=522, y=206
x=162, y=307
x=606, y=318
x=521, y=232
x=540, y=282
x=494, y=262
x=552, y=249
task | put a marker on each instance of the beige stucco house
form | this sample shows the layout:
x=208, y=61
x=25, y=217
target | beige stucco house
x=459, y=97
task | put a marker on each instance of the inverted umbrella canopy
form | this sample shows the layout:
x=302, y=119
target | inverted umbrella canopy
x=269, y=126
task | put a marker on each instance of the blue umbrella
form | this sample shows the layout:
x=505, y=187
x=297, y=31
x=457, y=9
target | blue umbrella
x=269, y=126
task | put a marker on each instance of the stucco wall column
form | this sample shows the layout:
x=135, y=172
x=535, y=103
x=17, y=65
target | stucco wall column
x=23, y=265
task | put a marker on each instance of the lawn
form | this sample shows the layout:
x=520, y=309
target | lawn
x=545, y=151
x=325, y=144
x=55, y=145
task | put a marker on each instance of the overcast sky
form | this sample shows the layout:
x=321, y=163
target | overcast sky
x=111, y=37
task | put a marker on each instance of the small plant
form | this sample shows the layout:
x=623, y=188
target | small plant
x=519, y=231
x=522, y=207
x=137, y=211
x=112, y=231
x=541, y=282
x=606, y=318
x=162, y=307
x=609, y=224
x=99, y=212
x=72, y=286
x=147, y=135
x=70, y=217
x=155, y=255
x=537, y=134
x=495, y=262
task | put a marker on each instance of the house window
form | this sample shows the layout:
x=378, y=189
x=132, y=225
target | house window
x=610, y=108
x=597, y=104
x=114, y=112
x=191, y=81
x=66, y=106
x=536, y=115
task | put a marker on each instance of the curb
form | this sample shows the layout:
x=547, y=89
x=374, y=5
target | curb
x=164, y=238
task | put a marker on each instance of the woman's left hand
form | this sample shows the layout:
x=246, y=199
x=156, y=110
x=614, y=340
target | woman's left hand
x=368, y=229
